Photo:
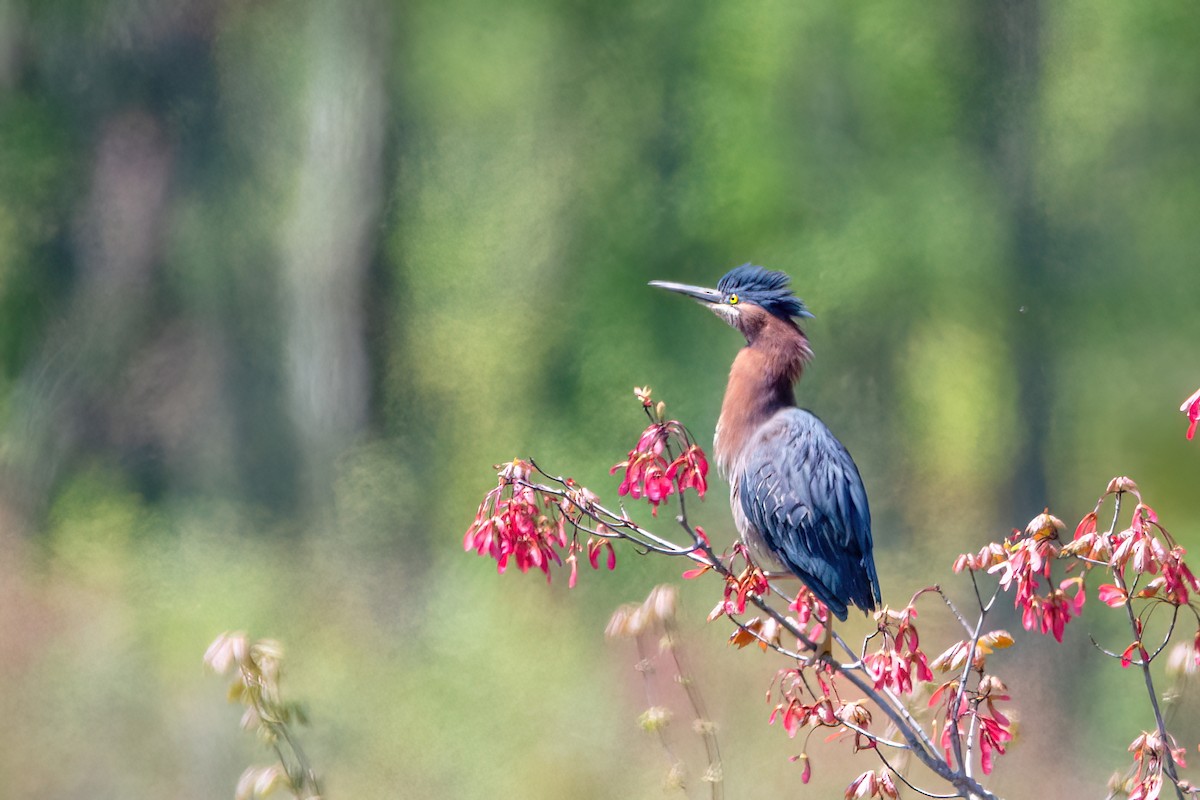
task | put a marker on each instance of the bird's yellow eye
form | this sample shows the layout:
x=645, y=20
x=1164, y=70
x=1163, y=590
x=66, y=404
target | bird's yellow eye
x=733, y=299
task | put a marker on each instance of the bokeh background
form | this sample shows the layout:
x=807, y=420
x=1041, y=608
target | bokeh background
x=280, y=280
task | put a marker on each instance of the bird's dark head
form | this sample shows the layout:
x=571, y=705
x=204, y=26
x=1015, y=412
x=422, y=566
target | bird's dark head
x=743, y=294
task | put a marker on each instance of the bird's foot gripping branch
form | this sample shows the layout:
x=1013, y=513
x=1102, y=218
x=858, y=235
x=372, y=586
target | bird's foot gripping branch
x=887, y=700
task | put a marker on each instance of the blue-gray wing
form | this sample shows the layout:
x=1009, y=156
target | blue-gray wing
x=801, y=492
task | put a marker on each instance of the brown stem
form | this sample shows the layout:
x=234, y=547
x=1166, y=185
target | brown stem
x=704, y=723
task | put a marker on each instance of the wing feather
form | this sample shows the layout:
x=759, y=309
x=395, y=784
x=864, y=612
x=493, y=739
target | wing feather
x=801, y=493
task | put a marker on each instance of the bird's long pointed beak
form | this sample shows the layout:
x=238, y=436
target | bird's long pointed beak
x=709, y=296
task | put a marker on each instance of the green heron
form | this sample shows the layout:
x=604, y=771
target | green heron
x=798, y=500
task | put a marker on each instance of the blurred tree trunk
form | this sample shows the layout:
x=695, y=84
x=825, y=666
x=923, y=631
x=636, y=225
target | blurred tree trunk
x=59, y=400
x=330, y=237
x=1009, y=35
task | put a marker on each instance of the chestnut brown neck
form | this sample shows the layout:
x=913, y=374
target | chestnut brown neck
x=761, y=380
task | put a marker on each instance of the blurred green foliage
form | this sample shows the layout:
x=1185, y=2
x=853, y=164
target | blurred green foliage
x=280, y=280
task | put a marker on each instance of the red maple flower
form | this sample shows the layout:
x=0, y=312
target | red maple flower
x=888, y=668
x=690, y=470
x=1177, y=578
x=1151, y=753
x=872, y=784
x=648, y=473
x=989, y=556
x=526, y=524
x=1191, y=407
x=900, y=654
x=645, y=476
x=1088, y=542
x=1175, y=583
x=806, y=772
x=1128, y=653
x=595, y=547
x=1086, y=525
x=994, y=727
x=1112, y=596
x=739, y=588
x=1027, y=558
x=1137, y=545
x=811, y=614
x=993, y=735
x=1031, y=556
x=1052, y=612
x=510, y=526
x=798, y=706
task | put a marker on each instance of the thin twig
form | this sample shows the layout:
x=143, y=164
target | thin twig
x=874, y=737
x=1119, y=579
x=1170, y=632
x=1110, y=653
x=646, y=667
x=704, y=724
x=966, y=761
x=909, y=783
x=953, y=610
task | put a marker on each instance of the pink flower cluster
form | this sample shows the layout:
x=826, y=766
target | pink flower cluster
x=966, y=711
x=740, y=587
x=517, y=523
x=872, y=784
x=812, y=616
x=1141, y=547
x=1145, y=563
x=955, y=656
x=1150, y=753
x=1029, y=556
x=1144, y=549
x=510, y=525
x=1051, y=613
x=893, y=664
x=650, y=475
x=1024, y=561
x=799, y=707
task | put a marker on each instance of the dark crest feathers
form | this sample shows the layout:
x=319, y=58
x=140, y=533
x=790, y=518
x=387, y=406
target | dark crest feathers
x=763, y=287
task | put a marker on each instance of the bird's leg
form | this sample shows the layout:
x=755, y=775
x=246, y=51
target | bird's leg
x=825, y=646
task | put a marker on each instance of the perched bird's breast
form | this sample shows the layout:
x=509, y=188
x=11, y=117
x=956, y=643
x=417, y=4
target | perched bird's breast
x=762, y=553
x=734, y=470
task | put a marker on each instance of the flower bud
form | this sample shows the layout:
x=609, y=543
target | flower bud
x=674, y=780
x=661, y=603
x=855, y=713
x=806, y=771
x=618, y=623
x=1121, y=484
x=1181, y=662
x=990, y=684
x=654, y=719
x=1044, y=526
